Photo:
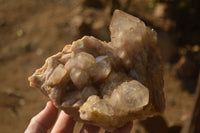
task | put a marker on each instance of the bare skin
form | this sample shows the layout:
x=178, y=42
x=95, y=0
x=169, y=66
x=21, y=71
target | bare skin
x=49, y=118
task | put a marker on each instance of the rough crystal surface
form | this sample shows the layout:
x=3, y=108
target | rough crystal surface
x=107, y=84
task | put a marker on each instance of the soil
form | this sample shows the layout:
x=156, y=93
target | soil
x=32, y=30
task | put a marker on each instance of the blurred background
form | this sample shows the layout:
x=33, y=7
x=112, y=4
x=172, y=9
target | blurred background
x=32, y=30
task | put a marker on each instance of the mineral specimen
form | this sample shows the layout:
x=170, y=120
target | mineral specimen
x=107, y=84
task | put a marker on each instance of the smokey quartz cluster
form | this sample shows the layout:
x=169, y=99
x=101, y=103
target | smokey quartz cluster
x=107, y=84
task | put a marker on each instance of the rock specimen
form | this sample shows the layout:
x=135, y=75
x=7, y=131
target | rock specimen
x=107, y=84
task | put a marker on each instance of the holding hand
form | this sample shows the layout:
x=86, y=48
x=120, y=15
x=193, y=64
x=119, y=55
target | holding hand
x=47, y=119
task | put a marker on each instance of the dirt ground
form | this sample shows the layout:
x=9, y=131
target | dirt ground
x=32, y=30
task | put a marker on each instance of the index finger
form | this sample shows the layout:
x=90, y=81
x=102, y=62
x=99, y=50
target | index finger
x=44, y=120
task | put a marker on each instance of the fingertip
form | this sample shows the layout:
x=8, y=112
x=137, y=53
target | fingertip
x=65, y=123
x=50, y=105
x=65, y=116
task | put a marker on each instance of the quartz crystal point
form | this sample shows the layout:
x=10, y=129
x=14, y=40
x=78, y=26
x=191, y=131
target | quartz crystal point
x=107, y=84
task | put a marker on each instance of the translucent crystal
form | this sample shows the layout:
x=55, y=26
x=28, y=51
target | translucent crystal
x=57, y=75
x=129, y=96
x=101, y=69
x=79, y=77
x=107, y=84
x=84, y=60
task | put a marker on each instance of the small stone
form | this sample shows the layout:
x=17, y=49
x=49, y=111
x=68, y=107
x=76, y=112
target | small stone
x=20, y=33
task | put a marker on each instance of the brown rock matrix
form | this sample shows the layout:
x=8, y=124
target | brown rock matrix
x=107, y=84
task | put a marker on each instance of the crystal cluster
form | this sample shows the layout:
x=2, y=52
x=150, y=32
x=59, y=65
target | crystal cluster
x=106, y=84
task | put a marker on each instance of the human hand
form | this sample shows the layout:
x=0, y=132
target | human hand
x=47, y=119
